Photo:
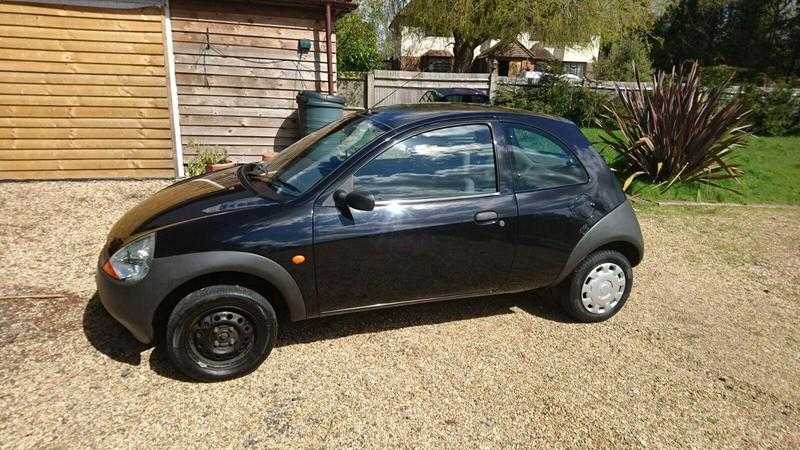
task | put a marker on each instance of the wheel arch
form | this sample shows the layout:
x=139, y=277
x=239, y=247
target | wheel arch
x=252, y=271
x=618, y=230
x=259, y=285
x=628, y=249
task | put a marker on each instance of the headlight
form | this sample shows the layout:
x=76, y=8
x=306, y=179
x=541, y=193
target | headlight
x=132, y=262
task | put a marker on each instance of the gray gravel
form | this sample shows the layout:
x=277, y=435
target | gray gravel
x=705, y=354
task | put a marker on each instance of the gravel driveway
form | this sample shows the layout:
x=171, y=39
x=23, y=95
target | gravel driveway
x=706, y=352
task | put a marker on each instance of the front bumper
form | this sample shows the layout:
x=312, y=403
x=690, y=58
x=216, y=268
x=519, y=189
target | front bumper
x=133, y=306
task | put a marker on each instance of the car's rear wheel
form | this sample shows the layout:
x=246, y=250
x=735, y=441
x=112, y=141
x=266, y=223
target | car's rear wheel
x=220, y=332
x=598, y=288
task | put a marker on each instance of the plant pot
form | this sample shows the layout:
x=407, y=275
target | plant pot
x=219, y=166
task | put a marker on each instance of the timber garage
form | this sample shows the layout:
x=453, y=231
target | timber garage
x=131, y=88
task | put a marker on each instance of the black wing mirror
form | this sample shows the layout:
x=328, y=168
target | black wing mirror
x=363, y=201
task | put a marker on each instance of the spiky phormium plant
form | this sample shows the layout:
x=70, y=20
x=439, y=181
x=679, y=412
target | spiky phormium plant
x=677, y=131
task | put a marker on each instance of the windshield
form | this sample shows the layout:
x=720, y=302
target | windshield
x=301, y=165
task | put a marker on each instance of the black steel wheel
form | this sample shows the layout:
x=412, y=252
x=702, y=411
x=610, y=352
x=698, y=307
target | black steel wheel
x=220, y=332
x=222, y=336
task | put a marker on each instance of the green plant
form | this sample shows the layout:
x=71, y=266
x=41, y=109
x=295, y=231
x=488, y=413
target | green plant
x=554, y=96
x=357, y=44
x=676, y=132
x=714, y=76
x=774, y=111
x=759, y=35
x=205, y=155
x=619, y=57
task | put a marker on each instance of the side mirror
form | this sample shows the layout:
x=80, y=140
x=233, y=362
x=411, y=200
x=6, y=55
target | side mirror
x=363, y=201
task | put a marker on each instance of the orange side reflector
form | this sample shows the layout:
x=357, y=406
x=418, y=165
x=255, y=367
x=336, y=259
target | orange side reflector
x=298, y=259
x=109, y=269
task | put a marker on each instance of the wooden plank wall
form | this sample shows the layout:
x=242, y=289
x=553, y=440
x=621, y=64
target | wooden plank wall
x=238, y=72
x=82, y=93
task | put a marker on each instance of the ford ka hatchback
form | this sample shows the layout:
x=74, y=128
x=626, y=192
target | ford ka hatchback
x=388, y=207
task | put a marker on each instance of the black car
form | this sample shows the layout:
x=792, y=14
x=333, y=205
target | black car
x=454, y=95
x=388, y=207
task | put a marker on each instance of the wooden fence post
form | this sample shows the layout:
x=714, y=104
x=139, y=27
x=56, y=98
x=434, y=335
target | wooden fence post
x=172, y=91
x=369, y=89
x=493, y=80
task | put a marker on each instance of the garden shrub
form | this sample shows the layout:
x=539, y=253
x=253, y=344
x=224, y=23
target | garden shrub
x=773, y=112
x=618, y=58
x=205, y=154
x=555, y=96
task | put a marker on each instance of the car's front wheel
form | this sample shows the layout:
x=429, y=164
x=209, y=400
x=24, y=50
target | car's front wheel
x=598, y=288
x=220, y=332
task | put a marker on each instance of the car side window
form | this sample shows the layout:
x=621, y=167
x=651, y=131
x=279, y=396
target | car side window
x=539, y=162
x=455, y=98
x=448, y=162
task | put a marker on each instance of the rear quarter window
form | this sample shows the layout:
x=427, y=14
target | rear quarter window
x=540, y=162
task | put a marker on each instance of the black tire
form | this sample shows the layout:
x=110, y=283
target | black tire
x=570, y=292
x=220, y=332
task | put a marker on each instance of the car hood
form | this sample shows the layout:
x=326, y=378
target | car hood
x=195, y=198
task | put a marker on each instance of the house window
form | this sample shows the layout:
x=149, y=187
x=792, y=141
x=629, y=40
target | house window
x=575, y=68
x=502, y=68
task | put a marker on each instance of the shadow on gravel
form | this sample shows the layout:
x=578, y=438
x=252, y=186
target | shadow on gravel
x=417, y=315
x=159, y=363
x=110, y=338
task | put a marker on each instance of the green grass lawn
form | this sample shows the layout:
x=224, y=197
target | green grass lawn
x=771, y=168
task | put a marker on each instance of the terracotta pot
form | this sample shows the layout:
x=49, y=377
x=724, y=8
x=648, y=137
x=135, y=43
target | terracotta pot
x=220, y=166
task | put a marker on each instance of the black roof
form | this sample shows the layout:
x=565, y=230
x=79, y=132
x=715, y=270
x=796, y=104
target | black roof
x=398, y=115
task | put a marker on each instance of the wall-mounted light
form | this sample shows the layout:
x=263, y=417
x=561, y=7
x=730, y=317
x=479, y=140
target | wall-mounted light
x=304, y=45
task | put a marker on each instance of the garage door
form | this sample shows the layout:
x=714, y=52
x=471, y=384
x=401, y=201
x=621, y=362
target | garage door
x=82, y=93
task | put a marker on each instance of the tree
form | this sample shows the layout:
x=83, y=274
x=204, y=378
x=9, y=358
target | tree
x=690, y=30
x=758, y=35
x=618, y=58
x=356, y=44
x=380, y=14
x=471, y=22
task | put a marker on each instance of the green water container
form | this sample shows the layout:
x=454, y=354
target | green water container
x=317, y=110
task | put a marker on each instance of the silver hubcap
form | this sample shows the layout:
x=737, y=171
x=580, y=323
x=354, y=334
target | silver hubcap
x=603, y=288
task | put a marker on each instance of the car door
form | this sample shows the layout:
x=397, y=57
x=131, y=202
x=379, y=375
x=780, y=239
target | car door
x=550, y=187
x=442, y=226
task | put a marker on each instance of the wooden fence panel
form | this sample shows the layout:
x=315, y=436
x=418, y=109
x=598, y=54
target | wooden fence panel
x=82, y=93
x=394, y=87
x=353, y=90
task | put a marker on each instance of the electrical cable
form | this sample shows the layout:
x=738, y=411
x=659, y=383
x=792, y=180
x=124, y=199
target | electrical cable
x=265, y=62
